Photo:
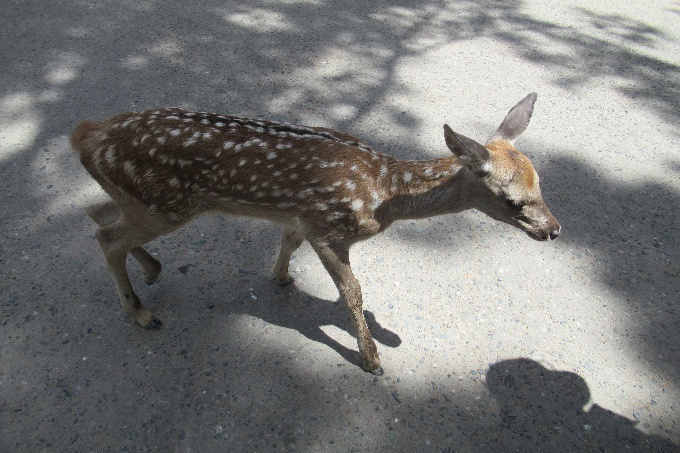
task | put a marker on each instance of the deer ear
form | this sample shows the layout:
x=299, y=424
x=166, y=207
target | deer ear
x=470, y=153
x=516, y=121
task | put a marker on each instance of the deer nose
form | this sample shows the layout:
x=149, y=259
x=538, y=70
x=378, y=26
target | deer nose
x=555, y=232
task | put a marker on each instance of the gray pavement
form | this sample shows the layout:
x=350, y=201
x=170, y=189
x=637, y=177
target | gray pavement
x=490, y=341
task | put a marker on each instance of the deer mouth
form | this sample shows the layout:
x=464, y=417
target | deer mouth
x=544, y=235
x=538, y=236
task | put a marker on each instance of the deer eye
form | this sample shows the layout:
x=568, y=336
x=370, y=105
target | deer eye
x=517, y=203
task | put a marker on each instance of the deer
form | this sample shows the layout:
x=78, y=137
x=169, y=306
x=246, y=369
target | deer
x=162, y=168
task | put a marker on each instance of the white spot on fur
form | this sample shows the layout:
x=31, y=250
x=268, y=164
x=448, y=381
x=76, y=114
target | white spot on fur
x=228, y=145
x=304, y=193
x=272, y=155
x=350, y=185
x=129, y=168
x=161, y=140
x=375, y=200
x=110, y=155
x=407, y=177
x=357, y=205
x=175, y=132
x=242, y=162
x=336, y=215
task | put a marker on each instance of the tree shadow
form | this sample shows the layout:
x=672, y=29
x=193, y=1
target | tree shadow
x=195, y=386
x=544, y=410
x=629, y=232
x=604, y=46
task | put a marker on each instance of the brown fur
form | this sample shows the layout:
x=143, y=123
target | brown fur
x=506, y=156
x=162, y=168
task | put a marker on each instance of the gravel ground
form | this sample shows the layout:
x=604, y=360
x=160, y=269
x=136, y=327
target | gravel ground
x=490, y=341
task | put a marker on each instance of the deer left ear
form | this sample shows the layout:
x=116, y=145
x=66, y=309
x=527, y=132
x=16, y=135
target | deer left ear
x=516, y=121
x=470, y=153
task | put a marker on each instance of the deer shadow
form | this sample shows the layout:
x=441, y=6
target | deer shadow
x=291, y=308
x=544, y=410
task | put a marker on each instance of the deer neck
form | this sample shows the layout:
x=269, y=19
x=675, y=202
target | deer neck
x=431, y=187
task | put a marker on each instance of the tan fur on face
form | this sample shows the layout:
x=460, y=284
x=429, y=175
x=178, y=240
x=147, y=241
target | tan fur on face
x=517, y=165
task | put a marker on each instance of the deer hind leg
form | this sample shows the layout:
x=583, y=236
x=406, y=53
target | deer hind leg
x=117, y=239
x=335, y=259
x=290, y=241
x=107, y=213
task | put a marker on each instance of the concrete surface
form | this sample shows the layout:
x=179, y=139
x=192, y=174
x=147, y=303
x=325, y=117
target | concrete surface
x=490, y=341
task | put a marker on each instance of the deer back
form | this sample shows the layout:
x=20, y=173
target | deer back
x=178, y=164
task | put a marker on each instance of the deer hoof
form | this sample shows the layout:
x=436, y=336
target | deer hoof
x=148, y=320
x=285, y=280
x=378, y=371
x=155, y=323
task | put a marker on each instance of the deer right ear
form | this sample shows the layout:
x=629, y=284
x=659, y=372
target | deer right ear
x=470, y=153
x=516, y=121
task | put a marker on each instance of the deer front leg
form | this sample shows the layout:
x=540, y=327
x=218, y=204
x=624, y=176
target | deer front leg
x=335, y=259
x=107, y=213
x=116, y=240
x=290, y=241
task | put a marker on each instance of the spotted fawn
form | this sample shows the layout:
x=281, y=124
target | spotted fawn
x=161, y=168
